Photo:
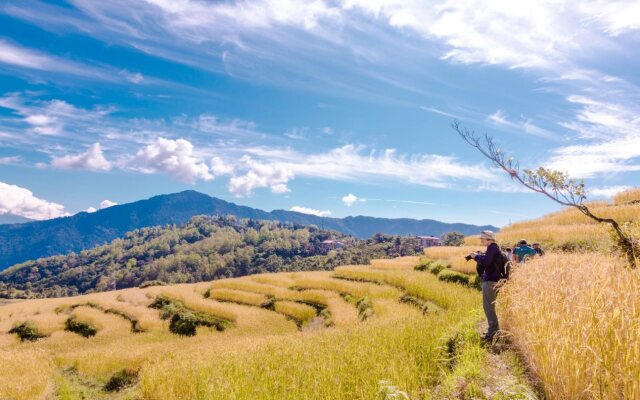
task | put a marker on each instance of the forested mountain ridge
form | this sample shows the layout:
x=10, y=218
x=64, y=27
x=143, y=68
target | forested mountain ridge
x=32, y=240
x=206, y=248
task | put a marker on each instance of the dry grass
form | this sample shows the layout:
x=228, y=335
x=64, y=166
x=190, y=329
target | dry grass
x=299, y=312
x=193, y=298
x=238, y=296
x=454, y=256
x=578, y=324
x=26, y=373
x=263, y=355
x=404, y=263
x=629, y=196
x=569, y=229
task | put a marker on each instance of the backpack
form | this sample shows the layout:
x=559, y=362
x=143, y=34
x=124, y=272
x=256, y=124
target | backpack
x=504, y=266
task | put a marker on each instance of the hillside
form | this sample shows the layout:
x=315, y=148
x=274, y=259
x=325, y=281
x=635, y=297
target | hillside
x=83, y=231
x=361, y=332
x=205, y=248
x=574, y=313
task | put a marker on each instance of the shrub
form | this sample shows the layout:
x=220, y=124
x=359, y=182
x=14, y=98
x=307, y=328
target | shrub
x=121, y=379
x=365, y=308
x=80, y=327
x=455, y=277
x=436, y=267
x=155, y=282
x=184, y=321
x=423, y=265
x=27, y=331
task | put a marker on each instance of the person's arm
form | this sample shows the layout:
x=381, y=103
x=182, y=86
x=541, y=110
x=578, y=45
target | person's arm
x=486, y=259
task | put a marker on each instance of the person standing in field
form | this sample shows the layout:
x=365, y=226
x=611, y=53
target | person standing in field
x=523, y=252
x=538, y=249
x=488, y=267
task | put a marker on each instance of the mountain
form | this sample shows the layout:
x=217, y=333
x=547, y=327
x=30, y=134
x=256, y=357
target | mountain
x=13, y=219
x=81, y=231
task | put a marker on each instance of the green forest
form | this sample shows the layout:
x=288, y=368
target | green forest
x=205, y=248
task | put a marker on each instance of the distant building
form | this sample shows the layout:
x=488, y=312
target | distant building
x=430, y=241
x=332, y=244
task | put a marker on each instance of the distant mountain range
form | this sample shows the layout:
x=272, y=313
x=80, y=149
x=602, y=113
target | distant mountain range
x=31, y=240
x=13, y=219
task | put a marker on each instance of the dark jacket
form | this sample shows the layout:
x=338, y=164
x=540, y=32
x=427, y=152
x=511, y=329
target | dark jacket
x=489, y=263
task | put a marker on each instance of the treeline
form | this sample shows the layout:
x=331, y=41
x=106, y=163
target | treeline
x=206, y=248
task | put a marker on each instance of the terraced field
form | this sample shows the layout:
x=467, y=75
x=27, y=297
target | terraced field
x=349, y=334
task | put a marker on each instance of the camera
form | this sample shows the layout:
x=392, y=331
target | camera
x=470, y=257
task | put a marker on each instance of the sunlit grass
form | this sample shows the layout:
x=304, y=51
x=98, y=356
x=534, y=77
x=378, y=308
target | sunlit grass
x=576, y=318
x=263, y=355
x=237, y=296
x=299, y=312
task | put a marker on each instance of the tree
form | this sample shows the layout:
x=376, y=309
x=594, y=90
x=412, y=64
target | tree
x=453, y=239
x=556, y=185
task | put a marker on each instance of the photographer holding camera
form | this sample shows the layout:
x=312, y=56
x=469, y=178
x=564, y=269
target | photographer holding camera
x=488, y=267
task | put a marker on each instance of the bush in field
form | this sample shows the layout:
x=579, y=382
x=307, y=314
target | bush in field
x=27, y=331
x=184, y=321
x=365, y=308
x=455, y=277
x=82, y=328
x=121, y=379
x=423, y=265
x=154, y=282
x=436, y=267
x=453, y=239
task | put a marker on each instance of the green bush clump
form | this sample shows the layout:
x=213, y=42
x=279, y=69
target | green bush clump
x=184, y=321
x=436, y=267
x=423, y=265
x=121, y=379
x=455, y=277
x=365, y=308
x=27, y=331
x=81, y=328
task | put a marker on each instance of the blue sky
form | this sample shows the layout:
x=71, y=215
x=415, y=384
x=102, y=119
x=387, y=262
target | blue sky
x=333, y=107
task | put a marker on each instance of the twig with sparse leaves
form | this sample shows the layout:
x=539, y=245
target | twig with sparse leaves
x=556, y=185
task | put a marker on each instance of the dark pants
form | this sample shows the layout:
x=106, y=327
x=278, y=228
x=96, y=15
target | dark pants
x=489, y=293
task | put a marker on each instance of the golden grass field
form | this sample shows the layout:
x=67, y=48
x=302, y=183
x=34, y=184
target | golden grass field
x=278, y=352
x=575, y=317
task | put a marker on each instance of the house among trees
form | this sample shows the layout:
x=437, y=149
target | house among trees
x=332, y=244
x=430, y=241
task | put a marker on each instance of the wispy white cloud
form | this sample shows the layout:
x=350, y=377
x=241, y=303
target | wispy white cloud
x=524, y=126
x=93, y=160
x=10, y=160
x=608, y=139
x=351, y=199
x=20, y=201
x=607, y=191
x=440, y=112
x=18, y=57
x=305, y=210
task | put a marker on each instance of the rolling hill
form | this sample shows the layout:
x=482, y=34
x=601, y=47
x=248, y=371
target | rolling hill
x=32, y=240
